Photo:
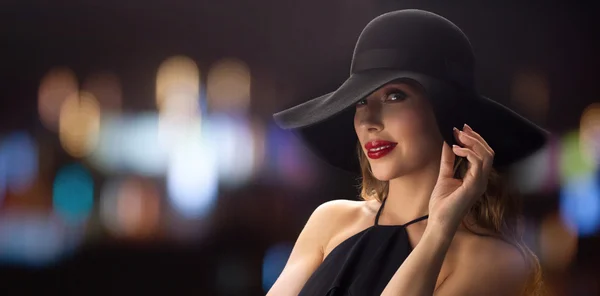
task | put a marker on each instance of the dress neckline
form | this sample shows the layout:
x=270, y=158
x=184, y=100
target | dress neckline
x=401, y=225
x=376, y=225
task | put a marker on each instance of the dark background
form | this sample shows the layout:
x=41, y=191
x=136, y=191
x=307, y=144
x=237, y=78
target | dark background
x=296, y=50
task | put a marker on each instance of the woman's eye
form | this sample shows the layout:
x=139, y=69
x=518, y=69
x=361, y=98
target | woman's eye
x=396, y=96
x=393, y=95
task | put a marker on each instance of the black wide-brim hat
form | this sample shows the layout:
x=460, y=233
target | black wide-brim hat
x=426, y=48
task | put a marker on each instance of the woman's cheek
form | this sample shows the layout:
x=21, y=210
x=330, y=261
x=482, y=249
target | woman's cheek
x=407, y=124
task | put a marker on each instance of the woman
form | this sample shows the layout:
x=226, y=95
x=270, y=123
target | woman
x=436, y=218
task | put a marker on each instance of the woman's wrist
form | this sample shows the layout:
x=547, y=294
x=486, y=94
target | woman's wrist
x=440, y=232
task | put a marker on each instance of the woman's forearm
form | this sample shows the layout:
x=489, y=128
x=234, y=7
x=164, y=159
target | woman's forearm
x=418, y=274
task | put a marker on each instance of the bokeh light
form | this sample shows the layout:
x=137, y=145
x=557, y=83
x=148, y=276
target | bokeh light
x=109, y=156
x=56, y=86
x=580, y=203
x=183, y=106
x=173, y=129
x=235, y=147
x=73, y=193
x=178, y=85
x=106, y=88
x=142, y=149
x=192, y=177
x=530, y=92
x=260, y=145
x=3, y=173
x=288, y=160
x=573, y=161
x=34, y=239
x=273, y=263
x=18, y=162
x=130, y=143
x=130, y=207
x=79, y=125
x=537, y=173
x=228, y=86
x=589, y=132
x=557, y=241
x=178, y=101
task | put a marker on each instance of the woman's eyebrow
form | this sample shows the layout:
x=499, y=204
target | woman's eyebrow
x=401, y=86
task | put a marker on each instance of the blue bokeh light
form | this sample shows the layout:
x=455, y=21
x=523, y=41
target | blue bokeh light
x=288, y=159
x=143, y=153
x=130, y=144
x=192, y=178
x=233, y=137
x=34, y=239
x=109, y=155
x=19, y=152
x=73, y=193
x=580, y=203
x=2, y=177
x=273, y=263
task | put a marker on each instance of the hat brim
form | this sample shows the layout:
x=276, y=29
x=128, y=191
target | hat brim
x=326, y=123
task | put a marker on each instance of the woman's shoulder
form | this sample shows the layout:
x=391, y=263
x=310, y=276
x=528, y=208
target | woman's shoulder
x=488, y=254
x=329, y=214
x=337, y=220
x=342, y=206
x=332, y=217
x=340, y=211
x=484, y=265
x=489, y=247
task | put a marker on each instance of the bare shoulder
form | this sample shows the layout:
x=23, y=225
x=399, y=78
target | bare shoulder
x=487, y=265
x=338, y=205
x=335, y=213
x=492, y=253
x=337, y=219
x=309, y=249
x=341, y=207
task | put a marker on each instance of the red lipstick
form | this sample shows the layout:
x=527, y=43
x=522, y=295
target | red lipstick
x=379, y=148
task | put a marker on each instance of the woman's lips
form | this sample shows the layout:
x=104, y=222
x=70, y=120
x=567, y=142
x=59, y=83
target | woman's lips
x=378, y=149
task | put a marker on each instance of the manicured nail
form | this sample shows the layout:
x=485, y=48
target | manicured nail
x=454, y=146
x=467, y=127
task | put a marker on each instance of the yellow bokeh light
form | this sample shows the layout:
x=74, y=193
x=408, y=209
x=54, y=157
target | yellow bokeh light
x=79, y=124
x=107, y=90
x=55, y=87
x=590, y=132
x=228, y=86
x=178, y=77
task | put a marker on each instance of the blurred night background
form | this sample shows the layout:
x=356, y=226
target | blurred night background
x=138, y=154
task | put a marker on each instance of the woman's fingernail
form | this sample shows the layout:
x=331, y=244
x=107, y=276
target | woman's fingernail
x=467, y=127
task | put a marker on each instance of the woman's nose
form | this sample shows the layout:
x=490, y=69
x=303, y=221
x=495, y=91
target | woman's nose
x=371, y=119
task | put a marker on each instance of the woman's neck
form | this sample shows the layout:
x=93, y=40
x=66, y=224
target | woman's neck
x=408, y=196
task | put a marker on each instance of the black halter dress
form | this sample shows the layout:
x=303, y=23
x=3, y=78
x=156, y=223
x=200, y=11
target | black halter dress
x=363, y=264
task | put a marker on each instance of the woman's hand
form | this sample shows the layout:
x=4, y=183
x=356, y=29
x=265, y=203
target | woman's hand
x=452, y=198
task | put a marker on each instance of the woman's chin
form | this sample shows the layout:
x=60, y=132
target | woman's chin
x=384, y=174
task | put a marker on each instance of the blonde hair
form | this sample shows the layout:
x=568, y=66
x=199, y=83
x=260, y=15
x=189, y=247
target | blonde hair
x=498, y=211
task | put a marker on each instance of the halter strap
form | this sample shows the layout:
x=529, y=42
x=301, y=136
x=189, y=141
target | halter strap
x=415, y=220
x=379, y=211
x=403, y=225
